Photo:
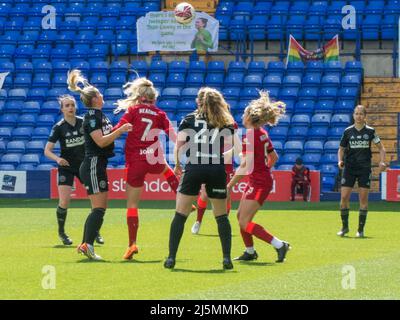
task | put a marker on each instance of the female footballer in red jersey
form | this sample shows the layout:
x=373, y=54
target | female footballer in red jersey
x=258, y=157
x=230, y=172
x=143, y=153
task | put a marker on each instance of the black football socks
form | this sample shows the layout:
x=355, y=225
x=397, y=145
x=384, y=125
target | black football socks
x=175, y=234
x=344, y=214
x=362, y=218
x=93, y=225
x=61, y=217
x=225, y=234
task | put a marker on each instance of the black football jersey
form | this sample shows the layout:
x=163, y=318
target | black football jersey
x=72, y=141
x=94, y=120
x=357, y=146
x=205, y=144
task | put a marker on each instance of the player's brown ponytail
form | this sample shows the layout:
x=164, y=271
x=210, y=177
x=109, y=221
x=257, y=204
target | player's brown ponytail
x=213, y=107
x=87, y=93
x=262, y=111
x=138, y=91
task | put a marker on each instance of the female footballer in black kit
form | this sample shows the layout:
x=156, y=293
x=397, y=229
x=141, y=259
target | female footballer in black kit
x=69, y=133
x=354, y=157
x=204, y=133
x=99, y=146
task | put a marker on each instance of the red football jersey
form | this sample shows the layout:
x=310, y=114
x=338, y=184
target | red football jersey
x=148, y=121
x=259, y=144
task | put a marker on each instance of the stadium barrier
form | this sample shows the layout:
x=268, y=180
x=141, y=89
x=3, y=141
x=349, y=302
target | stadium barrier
x=390, y=183
x=25, y=184
x=157, y=188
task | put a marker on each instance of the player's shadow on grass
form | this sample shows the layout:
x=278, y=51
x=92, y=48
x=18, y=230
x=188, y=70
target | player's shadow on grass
x=211, y=235
x=212, y=271
x=141, y=261
x=92, y=261
x=60, y=246
x=257, y=264
x=355, y=238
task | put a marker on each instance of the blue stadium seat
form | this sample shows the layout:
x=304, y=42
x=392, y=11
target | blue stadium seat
x=300, y=120
x=231, y=93
x=45, y=167
x=304, y=107
x=292, y=81
x=331, y=81
x=313, y=146
x=318, y=133
x=298, y=133
x=289, y=158
x=312, y=80
x=331, y=146
x=285, y=167
x=117, y=80
x=328, y=183
x=352, y=81
x=119, y=66
x=348, y=93
x=340, y=120
x=113, y=94
x=253, y=81
x=8, y=120
x=329, y=170
x=25, y=167
x=22, y=133
x=35, y=146
x=24, y=67
x=158, y=66
x=371, y=27
x=256, y=68
x=324, y=106
x=3, y=94
x=308, y=93
x=216, y=67
x=195, y=80
x=13, y=106
x=329, y=158
x=45, y=120
x=175, y=80
x=140, y=67
x=278, y=146
x=276, y=68
x=335, y=133
x=272, y=81
x=54, y=93
x=171, y=93
x=168, y=105
x=234, y=80
x=285, y=120
x=27, y=120
x=215, y=80
x=40, y=133
x=197, y=67
x=5, y=133
x=16, y=147
x=99, y=80
x=311, y=159
x=321, y=119
x=249, y=93
x=51, y=107
x=177, y=67
x=288, y=93
x=16, y=94
x=328, y=93
x=189, y=93
x=119, y=146
x=30, y=158
x=279, y=133
x=345, y=106
x=334, y=68
x=158, y=79
x=11, y=159
x=186, y=106
x=294, y=147
x=23, y=80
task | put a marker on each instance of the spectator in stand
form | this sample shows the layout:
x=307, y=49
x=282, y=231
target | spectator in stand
x=300, y=177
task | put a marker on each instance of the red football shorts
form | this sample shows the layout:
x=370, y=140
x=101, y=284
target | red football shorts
x=136, y=172
x=257, y=191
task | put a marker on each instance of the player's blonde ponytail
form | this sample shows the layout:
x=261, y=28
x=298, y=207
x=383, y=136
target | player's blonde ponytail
x=212, y=106
x=263, y=111
x=87, y=93
x=138, y=91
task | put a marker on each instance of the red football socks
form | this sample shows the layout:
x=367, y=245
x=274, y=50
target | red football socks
x=259, y=232
x=172, y=180
x=201, y=209
x=247, y=238
x=132, y=219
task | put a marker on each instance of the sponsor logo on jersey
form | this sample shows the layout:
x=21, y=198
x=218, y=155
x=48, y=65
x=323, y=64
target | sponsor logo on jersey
x=73, y=142
x=263, y=137
x=75, y=133
x=92, y=123
x=68, y=134
x=366, y=137
x=359, y=144
x=146, y=151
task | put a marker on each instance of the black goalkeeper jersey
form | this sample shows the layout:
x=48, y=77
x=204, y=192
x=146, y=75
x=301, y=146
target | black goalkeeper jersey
x=357, y=146
x=205, y=144
x=72, y=141
x=94, y=120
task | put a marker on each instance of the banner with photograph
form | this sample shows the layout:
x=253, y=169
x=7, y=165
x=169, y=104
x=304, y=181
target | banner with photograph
x=12, y=182
x=159, y=31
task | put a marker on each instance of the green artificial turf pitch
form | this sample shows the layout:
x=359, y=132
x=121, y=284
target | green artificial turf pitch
x=316, y=268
